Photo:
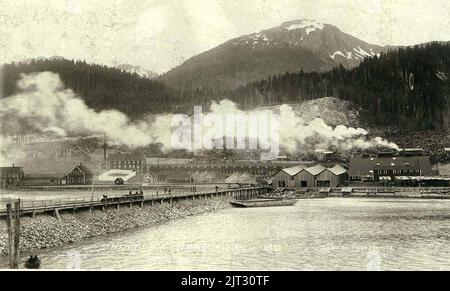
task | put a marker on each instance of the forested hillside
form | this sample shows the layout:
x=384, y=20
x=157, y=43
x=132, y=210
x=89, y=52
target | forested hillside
x=100, y=86
x=407, y=87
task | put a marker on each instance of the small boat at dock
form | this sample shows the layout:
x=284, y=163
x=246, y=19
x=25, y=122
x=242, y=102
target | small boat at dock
x=264, y=202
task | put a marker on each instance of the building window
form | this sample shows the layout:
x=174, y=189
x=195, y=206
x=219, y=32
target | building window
x=323, y=183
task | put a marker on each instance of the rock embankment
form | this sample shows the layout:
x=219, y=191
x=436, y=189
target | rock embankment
x=45, y=231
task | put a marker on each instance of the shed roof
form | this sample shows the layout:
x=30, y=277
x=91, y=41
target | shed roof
x=337, y=170
x=292, y=171
x=315, y=170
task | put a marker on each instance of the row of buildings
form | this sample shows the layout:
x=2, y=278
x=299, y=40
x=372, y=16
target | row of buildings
x=11, y=177
x=310, y=177
x=384, y=168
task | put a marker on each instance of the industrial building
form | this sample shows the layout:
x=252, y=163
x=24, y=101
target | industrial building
x=307, y=176
x=385, y=168
x=286, y=177
x=11, y=176
x=129, y=161
x=332, y=177
x=310, y=177
x=79, y=175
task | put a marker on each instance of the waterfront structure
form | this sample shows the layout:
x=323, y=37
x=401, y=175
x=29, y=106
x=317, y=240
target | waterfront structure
x=129, y=161
x=11, y=176
x=286, y=177
x=79, y=175
x=331, y=177
x=310, y=177
x=386, y=168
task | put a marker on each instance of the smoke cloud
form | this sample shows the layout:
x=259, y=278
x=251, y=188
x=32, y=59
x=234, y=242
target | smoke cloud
x=297, y=134
x=44, y=105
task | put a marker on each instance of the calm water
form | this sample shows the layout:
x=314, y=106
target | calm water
x=328, y=234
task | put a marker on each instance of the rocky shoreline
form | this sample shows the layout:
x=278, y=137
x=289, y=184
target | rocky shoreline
x=45, y=231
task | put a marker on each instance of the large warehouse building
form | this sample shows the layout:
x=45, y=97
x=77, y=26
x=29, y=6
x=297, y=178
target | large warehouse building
x=386, y=168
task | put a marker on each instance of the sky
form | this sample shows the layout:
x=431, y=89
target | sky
x=160, y=34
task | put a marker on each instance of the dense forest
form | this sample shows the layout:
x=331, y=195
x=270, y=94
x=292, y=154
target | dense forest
x=100, y=86
x=407, y=87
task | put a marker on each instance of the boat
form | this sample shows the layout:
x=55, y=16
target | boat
x=33, y=263
x=264, y=202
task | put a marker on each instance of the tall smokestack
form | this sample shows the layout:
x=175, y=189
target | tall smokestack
x=104, y=151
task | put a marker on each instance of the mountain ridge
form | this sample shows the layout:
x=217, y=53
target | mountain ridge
x=292, y=46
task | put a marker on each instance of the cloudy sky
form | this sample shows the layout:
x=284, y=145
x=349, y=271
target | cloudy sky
x=160, y=34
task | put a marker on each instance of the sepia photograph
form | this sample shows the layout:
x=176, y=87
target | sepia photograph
x=242, y=137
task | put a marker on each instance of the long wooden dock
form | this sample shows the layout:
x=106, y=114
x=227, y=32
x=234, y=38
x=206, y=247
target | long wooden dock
x=388, y=192
x=55, y=206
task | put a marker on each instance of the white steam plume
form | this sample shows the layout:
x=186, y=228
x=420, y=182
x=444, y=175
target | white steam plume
x=296, y=133
x=45, y=106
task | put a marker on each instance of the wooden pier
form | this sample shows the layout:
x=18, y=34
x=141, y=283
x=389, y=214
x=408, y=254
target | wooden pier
x=72, y=205
x=389, y=192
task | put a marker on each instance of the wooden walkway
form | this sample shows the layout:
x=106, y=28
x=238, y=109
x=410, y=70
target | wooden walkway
x=88, y=203
x=389, y=192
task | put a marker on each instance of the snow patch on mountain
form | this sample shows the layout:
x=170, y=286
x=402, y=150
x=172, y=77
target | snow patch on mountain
x=357, y=54
x=138, y=70
x=333, y=55
x=362, y=52
x=310, y=25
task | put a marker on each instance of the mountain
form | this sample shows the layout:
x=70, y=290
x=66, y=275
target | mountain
x=293, y=46
x=138, y=70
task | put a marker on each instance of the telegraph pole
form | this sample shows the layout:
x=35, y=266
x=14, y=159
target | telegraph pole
x=10, y=235
x=16, y=233
x=13, y=230
x=92, y=196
